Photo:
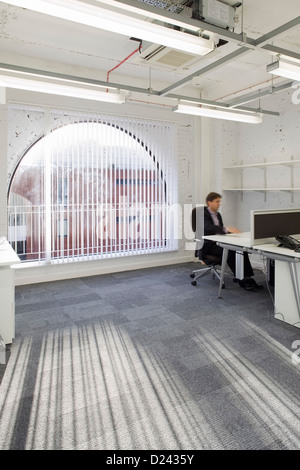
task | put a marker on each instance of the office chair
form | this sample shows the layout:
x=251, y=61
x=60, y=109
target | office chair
x=210, y=261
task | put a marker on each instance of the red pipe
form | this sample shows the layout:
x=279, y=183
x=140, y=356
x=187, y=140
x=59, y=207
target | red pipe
x=122, y=62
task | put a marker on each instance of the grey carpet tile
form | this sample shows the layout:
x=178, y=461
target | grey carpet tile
x=143, y=360
x=48, y=319
x=158, y=333
x=94, y=308
x=49, y=304
x=148, y=322
x=136, y=313
x=291, y=341
x=282, y=374
x=275, y=445
x=243, y=343
x=195, y=360
x=48, y=288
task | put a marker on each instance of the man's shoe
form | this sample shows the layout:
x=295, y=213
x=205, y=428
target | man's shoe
x=249, y=284
x=254, y=283
x=246, y=284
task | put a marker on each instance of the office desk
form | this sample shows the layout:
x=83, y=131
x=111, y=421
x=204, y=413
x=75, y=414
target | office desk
x=287, y=272
x=287, y=285
x=7, y=291
x=238, y=242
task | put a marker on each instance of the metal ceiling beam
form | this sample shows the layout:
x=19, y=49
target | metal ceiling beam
x=259, y=44
x=258, y=110
x=37, y=73
x=280, y=50
x=208, y=68
x=199, y=101
x=255, y=96
x=237, y=38
x=277, y=32
x=72, y=78
x=217, y=104
x=247, y=44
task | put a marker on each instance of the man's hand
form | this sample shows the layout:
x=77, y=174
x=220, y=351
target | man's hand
x=233, y=230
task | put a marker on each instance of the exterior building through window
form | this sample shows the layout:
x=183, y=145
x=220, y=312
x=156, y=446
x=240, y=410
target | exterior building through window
x=90, y=189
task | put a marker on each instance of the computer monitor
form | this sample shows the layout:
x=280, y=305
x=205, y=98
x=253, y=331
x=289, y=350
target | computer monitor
x=265, y=225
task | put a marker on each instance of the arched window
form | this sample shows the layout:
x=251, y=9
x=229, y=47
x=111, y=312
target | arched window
x=88, y=190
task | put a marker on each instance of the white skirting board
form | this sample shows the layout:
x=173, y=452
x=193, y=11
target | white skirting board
x=30, y=274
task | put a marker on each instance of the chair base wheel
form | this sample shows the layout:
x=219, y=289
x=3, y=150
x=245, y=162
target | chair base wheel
x=192, y=275
x=194, y=283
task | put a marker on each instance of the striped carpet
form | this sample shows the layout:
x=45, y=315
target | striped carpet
x=143, y=360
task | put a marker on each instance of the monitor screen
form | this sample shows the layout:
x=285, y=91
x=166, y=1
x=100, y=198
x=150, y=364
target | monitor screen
x=265, y=225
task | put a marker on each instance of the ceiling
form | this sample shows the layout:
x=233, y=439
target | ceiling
x=234, y=73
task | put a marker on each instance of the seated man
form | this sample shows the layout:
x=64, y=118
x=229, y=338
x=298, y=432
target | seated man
x=213, y=225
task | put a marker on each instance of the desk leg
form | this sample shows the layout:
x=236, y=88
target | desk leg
x=287, y=292
x=223, y=267
x=295, y=282
x=239, y=265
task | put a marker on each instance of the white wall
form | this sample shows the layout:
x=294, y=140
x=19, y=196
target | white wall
x=276, y=139
x=204, y=148
x=25, y=128
x=3, y=169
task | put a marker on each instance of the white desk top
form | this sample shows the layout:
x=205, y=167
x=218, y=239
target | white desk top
x=238, y=239
x=277, y=250
x=243, y=240
x=7, y=255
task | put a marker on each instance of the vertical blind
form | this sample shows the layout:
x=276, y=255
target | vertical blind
x=95, y=186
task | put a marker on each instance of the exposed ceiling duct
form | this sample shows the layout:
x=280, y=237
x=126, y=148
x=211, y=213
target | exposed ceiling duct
x=211, y=20
x=168, y=58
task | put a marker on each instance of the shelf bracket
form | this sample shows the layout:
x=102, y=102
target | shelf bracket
x=265, y=181
x=292, y=181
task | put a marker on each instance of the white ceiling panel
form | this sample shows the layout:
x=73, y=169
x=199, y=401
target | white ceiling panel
x=39, y=41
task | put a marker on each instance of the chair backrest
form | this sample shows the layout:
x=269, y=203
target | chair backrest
x=198, y=225
x=198, y=228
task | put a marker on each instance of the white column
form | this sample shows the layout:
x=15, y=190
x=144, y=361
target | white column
x=3, y=164
x=206, y=182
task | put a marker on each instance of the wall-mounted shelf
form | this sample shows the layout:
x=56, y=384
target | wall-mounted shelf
x=262, y=189
x=262, y=182
x=262, y=165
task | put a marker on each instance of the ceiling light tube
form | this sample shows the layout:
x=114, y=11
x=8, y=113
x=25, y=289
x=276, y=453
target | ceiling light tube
x=60, y=89
x=89, y=14
x=285, y=68
x=253, y=118
x=149, y=14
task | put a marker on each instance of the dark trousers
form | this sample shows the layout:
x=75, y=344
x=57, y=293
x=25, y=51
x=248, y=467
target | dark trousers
x=218, y=251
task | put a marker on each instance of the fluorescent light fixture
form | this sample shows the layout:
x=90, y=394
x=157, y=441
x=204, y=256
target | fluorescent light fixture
x=253, y=118
x=60, y=89
x=147, y=13
x=285, y=68
x=88, y=13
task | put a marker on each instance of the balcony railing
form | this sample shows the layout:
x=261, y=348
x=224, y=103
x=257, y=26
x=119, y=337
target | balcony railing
x=81, y=232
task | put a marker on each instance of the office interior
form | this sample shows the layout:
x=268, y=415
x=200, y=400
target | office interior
x=254, y=166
